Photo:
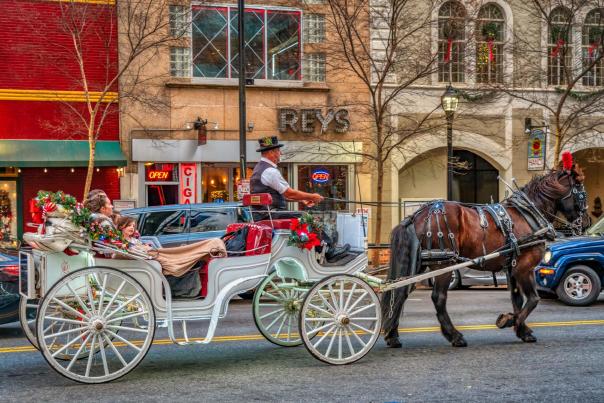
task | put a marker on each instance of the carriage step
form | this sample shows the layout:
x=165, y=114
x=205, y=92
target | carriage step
x=438, y=254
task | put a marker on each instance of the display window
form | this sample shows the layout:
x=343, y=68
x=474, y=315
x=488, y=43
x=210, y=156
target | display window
x=330, y=181
x=8, y=213
x=161, y=183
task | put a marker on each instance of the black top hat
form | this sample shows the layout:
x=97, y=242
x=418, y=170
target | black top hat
x=268, y=143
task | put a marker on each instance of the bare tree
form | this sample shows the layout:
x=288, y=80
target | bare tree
x=560, y=67
x=104, y=47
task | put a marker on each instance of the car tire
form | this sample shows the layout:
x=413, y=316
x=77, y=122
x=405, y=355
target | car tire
x=455, y=283
x=580, y=286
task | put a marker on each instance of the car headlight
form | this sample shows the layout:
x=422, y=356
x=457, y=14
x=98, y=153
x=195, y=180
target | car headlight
x=547, y=257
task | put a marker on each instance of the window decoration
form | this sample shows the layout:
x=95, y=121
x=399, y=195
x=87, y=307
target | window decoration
x=451, y=42
x=560, y=51
x=314, y=28
x=591, y=43
x=489, y=57
x=272, y=43
x=314, y=67
x=179, y=62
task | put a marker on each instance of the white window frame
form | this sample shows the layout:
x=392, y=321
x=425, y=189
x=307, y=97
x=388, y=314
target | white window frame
x=264, y=82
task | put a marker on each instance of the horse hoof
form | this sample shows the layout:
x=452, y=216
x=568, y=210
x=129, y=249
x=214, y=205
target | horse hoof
x=461, y=342
x=393, y=343
x=505, y=320
x=528, y=338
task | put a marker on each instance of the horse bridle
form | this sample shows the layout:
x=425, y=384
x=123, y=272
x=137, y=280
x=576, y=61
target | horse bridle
x=577, y=191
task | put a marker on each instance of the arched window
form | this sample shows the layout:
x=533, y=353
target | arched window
x=559, y=48
x=489, y=46
x=591, y=48
x=451, y=42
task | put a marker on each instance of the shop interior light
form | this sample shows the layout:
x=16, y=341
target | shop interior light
x=72, y=170
x=224, y=180
x=98, y=170
x=45, y=170
x=19, y=170
x=212, y=182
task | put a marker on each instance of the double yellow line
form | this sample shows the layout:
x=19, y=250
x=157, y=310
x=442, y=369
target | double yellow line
x=52, y=95
x=256, y=337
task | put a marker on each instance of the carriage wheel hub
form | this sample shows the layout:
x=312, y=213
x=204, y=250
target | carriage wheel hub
x=343, y=320
x=97, y=325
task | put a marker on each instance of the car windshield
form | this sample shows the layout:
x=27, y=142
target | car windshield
x=597, y=228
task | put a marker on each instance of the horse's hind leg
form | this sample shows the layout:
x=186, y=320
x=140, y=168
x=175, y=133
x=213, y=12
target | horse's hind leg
x=526, y=281
x=439, y=298
x=392, y=308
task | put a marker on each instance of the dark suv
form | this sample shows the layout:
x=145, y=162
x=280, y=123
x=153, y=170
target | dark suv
x=181, y=224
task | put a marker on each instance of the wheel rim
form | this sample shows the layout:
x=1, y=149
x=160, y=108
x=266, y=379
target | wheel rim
x=578, y=286
x=277, y=311
x=100, y=321
x=348, y=311
x=27, y=320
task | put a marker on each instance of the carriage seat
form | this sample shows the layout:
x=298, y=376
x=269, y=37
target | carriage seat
x=279, y=224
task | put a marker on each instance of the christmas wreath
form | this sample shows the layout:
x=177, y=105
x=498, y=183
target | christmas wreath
x=83, y=218
x=305, y=232
x=57, y=204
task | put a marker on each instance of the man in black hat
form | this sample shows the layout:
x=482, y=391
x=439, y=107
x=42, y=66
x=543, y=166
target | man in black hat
x=266, y=178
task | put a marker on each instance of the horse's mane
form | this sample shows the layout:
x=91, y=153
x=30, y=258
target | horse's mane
x=544, y=190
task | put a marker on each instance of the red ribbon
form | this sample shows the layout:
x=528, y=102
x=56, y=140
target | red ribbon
x=490, y=46
x=449, y=48
x=592, y=48
x=556, y=50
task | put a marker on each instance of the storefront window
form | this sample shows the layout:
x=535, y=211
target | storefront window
x=215, y=184
x=8, y=212
x=330, y=181
x=161, y=182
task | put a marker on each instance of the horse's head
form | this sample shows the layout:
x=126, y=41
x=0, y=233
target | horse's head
x=573, y=203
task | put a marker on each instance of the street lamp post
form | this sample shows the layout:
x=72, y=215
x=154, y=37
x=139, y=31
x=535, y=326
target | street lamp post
x=449, y=101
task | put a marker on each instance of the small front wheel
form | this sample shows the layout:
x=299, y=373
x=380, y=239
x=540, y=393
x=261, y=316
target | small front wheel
x=348, y=312
x=101, y=318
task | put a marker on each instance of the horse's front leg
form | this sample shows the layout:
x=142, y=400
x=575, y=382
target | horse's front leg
x=526, y=282
x=439, y=298
x=509, y=319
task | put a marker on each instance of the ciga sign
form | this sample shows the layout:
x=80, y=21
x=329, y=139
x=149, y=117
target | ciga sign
x=306, y=120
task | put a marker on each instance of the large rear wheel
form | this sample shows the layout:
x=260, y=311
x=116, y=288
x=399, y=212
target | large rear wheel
x=93, y=305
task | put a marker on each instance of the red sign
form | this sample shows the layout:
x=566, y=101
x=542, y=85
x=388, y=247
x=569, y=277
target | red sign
x=188, y=183
x=159, y=176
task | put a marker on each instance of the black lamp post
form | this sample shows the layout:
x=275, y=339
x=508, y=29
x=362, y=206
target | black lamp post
x=449, y=101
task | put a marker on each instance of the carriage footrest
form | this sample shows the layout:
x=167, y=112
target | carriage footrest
x=438, y=254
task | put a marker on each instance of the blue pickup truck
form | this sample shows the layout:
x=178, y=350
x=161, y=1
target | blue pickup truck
x=573, y=268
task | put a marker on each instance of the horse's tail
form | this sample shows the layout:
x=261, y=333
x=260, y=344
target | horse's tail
x=405, y=261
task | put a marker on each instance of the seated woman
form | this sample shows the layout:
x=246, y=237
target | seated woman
x=128, y=227
x=100, y=206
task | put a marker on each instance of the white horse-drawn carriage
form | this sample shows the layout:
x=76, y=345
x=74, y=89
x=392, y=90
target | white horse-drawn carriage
x=97, y=306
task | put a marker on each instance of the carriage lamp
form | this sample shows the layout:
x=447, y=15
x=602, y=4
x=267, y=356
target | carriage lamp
x=449, y=101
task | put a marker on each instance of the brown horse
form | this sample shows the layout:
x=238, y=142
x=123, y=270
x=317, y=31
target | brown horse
x=442, y=233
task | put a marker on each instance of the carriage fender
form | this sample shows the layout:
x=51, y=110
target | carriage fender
x=289, y=267
x=593, y=260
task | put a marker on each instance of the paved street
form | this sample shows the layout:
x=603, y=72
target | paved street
x=566, y=364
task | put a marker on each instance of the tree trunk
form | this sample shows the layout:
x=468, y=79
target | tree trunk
x=557, y=144
x=378, y=213
x=90, y=172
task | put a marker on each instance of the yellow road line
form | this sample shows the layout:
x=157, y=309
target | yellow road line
x=255, y=337
x=7, y=94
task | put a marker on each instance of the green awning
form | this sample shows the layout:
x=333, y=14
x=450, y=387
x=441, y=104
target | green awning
x=58, y=153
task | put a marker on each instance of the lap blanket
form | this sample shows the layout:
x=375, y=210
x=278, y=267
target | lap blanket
x=179, y=260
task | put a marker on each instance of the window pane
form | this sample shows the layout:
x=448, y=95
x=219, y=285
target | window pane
x=314, y=67
x=179, y=62
x=451, y=42
x=254, y=43
x=164, y=223
x=283, y=47
x=329, y=181
x=178, y=21
x=161, y=172
x=211, y=219
x=210, y=50
x=215, y=184
x=160, y=195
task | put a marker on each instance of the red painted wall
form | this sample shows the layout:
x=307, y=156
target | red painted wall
x=42, y=120
x=36, y=52
x=34, y=179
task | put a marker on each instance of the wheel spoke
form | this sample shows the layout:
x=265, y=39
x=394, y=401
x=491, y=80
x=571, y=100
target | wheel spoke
x=275, y=321
x=125, y=328
x=333, y=326
x=281, y=326
x=321, y=310
x=354, y=287
x=66, y=346
x=267, y=294
x=335, y=334
x=70, y=309
x=365, y=319
x=89, y=293
x=117, y=292
x=365, y=293
x=103, y=356
x=329, y=306
x=122, y=305
x=349, y=343
x=361, y=327
x=333, y=298
x=117, y=353
x=82, y=304
x=361, y=309
x=317, y=330
x=341, y=294
x=289, y=327
x=48, y=336
x=271, y=313
x=277, y=289
x=56, y=319
x=132, y=315
x=90, y=356
x=357, y=337
x=340, y=345
x=102, y=294
x=120, y=338
x=77, y=354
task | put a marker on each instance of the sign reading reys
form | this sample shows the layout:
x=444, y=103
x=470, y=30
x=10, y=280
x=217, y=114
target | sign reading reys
x=306, y=120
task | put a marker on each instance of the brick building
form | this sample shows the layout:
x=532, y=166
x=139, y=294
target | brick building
x=43, y=103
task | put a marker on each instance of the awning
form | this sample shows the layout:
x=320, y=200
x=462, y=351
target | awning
x=58, y=153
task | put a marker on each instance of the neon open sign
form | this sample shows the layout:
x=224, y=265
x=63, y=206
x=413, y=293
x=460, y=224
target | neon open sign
x=320, y=176
x=159, y=175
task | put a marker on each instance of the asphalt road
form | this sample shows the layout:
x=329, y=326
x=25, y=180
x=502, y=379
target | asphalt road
x=565, y=365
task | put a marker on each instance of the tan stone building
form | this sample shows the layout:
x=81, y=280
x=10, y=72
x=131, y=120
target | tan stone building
x=489, y=128
x=291, y=93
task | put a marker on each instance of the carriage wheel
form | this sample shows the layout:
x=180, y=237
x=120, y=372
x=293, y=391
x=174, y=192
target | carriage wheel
x=28, y=309
x=97, y=303
x=277, y=311
x=348, y=311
